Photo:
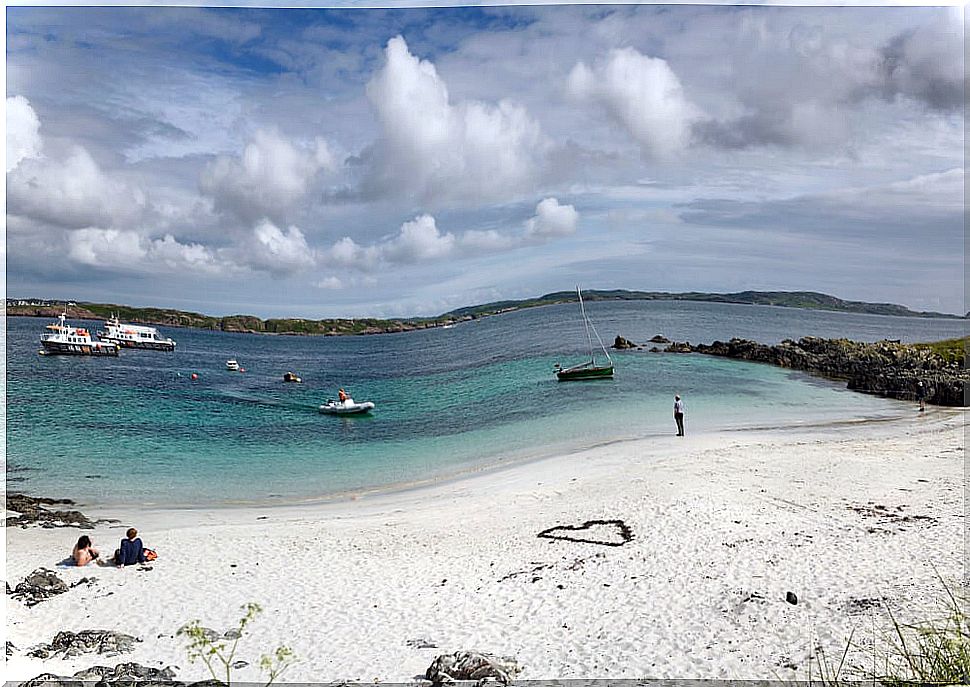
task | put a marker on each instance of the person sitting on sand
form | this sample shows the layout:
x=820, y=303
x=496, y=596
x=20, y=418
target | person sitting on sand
x=131, y=550
x=343, y=396
x=84, y=552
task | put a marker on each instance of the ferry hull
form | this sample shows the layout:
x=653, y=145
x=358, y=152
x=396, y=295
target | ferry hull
x=59, y=348
x=146, y=345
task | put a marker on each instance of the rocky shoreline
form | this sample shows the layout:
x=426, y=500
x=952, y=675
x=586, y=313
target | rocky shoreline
x=885, y=368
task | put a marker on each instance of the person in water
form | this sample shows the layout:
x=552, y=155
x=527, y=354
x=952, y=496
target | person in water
x=84, y=551
x=131, y=550
x=343, y=396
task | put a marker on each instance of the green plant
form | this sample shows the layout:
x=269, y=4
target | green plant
x=218, y=652
x=933, y=651
x=829, y=674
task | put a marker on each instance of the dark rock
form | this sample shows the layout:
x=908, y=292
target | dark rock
x=128, y=672
x=654, y=349
x=52, y=680
x=123, y=673
x=619, y=343
x=10, y=648
x=421, y=643
x=32, y=511
x=884, y=368
x=471, y=665
x=677, y=347
x=39, y=585
x=659, y=338
x=69, y=644
x=791, y=598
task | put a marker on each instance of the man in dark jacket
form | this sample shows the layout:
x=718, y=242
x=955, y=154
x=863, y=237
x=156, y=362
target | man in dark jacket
x=131, y=550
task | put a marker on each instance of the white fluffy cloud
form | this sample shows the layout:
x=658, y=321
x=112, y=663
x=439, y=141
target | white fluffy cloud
x=23, y=132
x=127, y=250
x=642, y=94
x=278, y=252
x=552, y=219
x=268, y=178
x=440, y=151
x=73, y=192
x=420, y=240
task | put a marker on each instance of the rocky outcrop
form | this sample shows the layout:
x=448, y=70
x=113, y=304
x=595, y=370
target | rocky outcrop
x=42, y=584
x=33, y=510
x=471, y=665
x=884, y=368
x=620, y=344
x=676, y=347
x=659, y=338
x=70, y=644
x=123, y=674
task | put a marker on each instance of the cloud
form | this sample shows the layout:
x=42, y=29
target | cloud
x=919, y=64
x=642, y=94
x=437, y=151
x=551, y=220
x=922, y=215
x=280, y=253
x=128, y=251
x=23, y=132
x=816, y=86
x=330, y=283
x=268, y=178
x=73, y=192
x=183, y=256
x=486, y=241
x=419, y=240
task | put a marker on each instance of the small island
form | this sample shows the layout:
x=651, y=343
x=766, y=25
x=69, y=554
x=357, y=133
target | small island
x=251, y=324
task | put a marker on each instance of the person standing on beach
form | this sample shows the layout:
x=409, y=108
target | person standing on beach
x=921, y=395
x=679, y=415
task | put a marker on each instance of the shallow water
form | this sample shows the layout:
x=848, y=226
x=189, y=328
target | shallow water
x=137, y=428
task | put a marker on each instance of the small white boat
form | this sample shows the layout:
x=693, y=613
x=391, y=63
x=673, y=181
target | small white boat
x=348, y=407
x=232, y=366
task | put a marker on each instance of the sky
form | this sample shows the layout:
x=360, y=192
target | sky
x=408, y=161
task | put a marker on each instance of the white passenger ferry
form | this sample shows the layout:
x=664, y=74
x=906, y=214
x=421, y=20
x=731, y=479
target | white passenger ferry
x=135, y=336
x=63, y=339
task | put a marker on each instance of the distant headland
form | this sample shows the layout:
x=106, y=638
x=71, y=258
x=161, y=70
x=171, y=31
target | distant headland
x=35, y=307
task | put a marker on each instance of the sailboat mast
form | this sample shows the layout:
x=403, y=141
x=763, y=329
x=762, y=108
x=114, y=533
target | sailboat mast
x=589, y=337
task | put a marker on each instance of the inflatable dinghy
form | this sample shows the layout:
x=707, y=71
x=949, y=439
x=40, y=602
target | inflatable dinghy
x=348, y=407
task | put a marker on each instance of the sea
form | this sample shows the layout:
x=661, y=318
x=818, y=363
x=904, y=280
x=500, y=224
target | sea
x=138, y=429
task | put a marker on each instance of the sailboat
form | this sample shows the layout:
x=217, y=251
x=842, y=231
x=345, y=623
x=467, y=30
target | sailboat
x=587, y=370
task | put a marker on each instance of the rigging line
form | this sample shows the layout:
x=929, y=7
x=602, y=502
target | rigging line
x=586, y=323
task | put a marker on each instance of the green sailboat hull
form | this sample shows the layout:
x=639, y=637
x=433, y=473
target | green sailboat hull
x=577, y=373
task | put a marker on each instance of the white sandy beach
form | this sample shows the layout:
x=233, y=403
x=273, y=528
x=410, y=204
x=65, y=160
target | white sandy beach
x=723, y=526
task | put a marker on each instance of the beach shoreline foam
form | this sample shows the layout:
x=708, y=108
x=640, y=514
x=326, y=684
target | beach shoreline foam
x=723, y=525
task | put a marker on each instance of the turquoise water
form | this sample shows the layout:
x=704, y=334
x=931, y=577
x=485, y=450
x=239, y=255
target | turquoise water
x=137, y=428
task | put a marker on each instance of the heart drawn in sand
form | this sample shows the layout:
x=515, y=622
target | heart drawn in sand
x=602, y=532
